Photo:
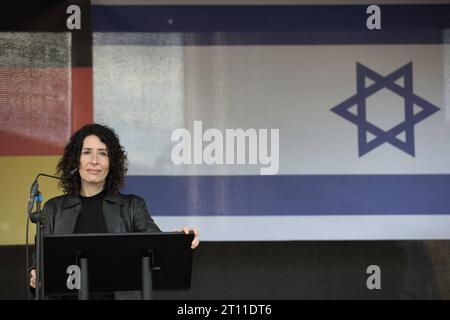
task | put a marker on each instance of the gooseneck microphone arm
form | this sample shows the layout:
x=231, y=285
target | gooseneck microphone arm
x=35, y=186
x=47, y=175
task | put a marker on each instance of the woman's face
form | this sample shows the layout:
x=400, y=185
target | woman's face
x=94, y=161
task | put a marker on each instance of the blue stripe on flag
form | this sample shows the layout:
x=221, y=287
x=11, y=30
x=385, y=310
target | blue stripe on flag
x=293, y=194
x=252, y=25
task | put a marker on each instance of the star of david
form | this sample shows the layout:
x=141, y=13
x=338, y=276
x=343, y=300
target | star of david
x=391, y=136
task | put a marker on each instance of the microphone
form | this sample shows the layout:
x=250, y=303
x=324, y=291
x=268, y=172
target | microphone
x=72, y=172
x=33, y=192
x=35, y=186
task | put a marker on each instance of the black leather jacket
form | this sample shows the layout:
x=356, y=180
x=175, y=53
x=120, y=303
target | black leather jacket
x=123, y=213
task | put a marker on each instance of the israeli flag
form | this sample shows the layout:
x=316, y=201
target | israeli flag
x=313, y=128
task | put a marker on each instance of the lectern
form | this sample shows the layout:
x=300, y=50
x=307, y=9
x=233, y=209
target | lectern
x=117, y=262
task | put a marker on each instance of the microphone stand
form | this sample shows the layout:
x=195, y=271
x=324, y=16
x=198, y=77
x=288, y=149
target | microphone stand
x=38, y=217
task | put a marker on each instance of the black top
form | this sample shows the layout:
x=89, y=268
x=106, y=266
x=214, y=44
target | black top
x=91, y=218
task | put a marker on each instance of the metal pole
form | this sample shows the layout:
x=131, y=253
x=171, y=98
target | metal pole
x=39, y=250
x=147, y=284
x=38, y=261
x=83, y=293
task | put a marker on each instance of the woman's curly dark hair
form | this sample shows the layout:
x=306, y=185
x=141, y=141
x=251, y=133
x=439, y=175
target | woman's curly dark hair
x=118, y=163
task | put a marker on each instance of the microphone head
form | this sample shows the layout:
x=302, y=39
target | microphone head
x=33, y=192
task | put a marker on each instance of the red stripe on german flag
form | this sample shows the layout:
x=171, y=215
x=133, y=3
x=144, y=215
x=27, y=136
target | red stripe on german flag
x=41, y=107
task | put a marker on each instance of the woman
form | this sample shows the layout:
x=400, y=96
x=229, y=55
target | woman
x=92, y=170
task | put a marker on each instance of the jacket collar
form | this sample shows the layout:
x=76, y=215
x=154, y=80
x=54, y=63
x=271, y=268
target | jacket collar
x=71, y=200
x=116, y=198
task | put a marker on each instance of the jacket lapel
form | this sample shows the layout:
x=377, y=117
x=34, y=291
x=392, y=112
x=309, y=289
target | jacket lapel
x=67, y=219
x=112, y=213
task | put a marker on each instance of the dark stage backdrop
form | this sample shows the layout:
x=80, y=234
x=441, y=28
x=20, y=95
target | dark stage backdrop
x=292, y=270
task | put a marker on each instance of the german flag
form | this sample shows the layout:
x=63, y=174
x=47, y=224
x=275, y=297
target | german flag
x=45, y=95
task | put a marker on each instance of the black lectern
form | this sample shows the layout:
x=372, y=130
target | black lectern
x=117, y=262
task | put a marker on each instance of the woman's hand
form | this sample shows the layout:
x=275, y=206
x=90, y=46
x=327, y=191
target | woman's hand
x=33, y=278
x=196, y=240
